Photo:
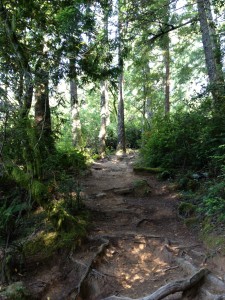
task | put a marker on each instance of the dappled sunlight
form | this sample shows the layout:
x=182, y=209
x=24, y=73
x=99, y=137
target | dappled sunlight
x=137, y=262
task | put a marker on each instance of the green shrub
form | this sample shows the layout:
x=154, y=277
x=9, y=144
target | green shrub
x=133, y=135
x=185, y=140
x=10, y=213
x=69, y=160
x=111, y=138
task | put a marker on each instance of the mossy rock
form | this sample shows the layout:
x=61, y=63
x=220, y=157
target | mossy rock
x=141, y=188
x=15, y=291
x=138, y=169
x=44, y=245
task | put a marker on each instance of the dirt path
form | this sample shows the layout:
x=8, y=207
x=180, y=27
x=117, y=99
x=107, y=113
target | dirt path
x=136, y=243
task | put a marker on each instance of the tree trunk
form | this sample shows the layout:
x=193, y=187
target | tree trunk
x=212, y=52
x=166, y=58
x=167, y=73
x=147, y=113
x=75, y=115
x=121, y=144
x=42, y=111
x=104, y=117
x=22, y=61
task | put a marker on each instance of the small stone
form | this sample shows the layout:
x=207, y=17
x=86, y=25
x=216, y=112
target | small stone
x=100, y=195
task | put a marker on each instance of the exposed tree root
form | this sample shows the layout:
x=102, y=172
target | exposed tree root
x=133, y=234
x=170, y=288
x=142, y=221
x=90, y=267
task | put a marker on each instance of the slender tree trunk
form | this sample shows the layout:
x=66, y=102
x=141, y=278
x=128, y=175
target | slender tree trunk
x=166, y=57
x=167, y=73
x=104, y=117
x=147, y=113
x=42, y=111
x=121, y=144
x=75, y=114
x=212, y=52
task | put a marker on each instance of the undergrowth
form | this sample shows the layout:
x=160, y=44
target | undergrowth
x=41, y=205
x=190, y=148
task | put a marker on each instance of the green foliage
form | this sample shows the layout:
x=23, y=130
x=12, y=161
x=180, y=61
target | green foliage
x=212, y=201
x=34, y=187
x=68, y=212
x=23, y=151
x=10, y=216
x=61, y=217
x=15, y=291
x=111, y=138
x=214, y=208
x=183, y=140
x=186, y=209
x=133, y=135
x=70, y=160
x=45, y=244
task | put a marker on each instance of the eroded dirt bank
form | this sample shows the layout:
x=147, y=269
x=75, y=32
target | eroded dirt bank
x=136, y=243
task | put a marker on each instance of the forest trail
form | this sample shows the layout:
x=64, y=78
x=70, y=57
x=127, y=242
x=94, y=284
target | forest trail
x=136, y=242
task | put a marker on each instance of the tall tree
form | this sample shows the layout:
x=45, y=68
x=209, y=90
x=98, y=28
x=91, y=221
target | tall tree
x=42, y=106
x=166, y=55
x=121, y=144
x=74, y=102
x=104, y=117
x=19, y=53
x=212, y=52
x=104, y=104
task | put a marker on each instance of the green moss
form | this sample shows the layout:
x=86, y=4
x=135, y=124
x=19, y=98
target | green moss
x=38, y=191
x=45, y=244
x=15, y=291
x=141, y=188
x=21, y=177
x=148, y=170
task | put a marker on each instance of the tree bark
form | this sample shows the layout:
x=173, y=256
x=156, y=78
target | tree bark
x=170, y=288
x=167, y=73
x=75, y=114
x=212, y=52
x=104, y=117
x=42, y=110
x=121, y=144
x=22, y=60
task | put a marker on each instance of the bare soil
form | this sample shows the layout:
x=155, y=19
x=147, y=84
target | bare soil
x=136, y=242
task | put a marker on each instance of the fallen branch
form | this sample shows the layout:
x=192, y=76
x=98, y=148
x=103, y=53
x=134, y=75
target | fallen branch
x=170, y=288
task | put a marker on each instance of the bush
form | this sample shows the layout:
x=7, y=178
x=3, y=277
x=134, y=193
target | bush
x=133, y=135
x=67, y=160
x=185, y=140
x=214, y=208
x=111, y=138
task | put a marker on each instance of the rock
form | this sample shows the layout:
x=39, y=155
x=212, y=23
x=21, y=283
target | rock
x=100, y=195
x=141, y=188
